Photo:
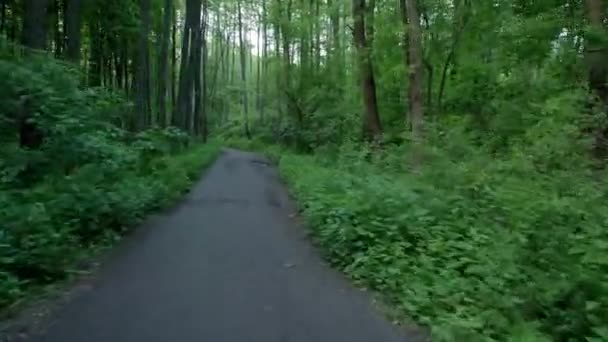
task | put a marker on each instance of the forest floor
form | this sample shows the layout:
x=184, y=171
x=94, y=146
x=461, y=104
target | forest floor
x=230, y=263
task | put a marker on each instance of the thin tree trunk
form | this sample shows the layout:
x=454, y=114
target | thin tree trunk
x=197, y=82
x=173, y=66
x=204, y=96
x=596, y=55
x=3, y=7
x=285, y=14
x=259, y=69
x=73, y=22
x=372, y=127
x=406, y=55
x=163, y=62
x=415, y=75
x=318, y=35
x=264, y=60
x=277, y=49
x=460, y=21
x=596, y=52
x=34, y=36
x=336, y=53
x=34, y=23
x=142, y=87
x=181, y=115
x=243, y=69
x=58, y=38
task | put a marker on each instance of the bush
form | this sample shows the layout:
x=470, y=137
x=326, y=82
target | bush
x=479, y=248
x=87, y=183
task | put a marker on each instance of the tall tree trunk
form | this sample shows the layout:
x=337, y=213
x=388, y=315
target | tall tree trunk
x=596, y=52
x=197, y=45
x=415, y=75
x=182, y=113
x=317, y=29
x=3, y=6
x=34, y=23
x=58, y=35
x=73, y=22
x=264, y=60
x=204, y=94
x=372, y=127
x=461, y=17
x=258, y=97
x=34, y=36
x=335, y=51
x=406, y=55
x=277, y=50
x=173, y=65
x=142, y=88
x=285, y=15
x=163, y=62
x=597, y=56
x=242, y=49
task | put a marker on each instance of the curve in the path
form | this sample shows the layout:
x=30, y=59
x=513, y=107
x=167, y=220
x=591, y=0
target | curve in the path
x=227, y=265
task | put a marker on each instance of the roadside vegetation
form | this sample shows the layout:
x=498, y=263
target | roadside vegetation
x=86, y=145
x=450, y=155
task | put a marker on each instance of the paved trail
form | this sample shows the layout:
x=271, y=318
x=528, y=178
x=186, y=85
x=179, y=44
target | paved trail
x=227, y=265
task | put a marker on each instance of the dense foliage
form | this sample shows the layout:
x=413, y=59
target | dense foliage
x=456, y=149
x=74, y=174
x=455, y=155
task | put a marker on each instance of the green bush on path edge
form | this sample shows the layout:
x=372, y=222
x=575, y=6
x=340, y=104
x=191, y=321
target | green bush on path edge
x=49, y=229
x=474, y=255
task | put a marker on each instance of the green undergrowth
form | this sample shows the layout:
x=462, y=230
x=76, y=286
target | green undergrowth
x=46, y=230
x=86, y=178
x=474, y=250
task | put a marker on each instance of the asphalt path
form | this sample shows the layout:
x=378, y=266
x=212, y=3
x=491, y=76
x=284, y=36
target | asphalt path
x=229, y=264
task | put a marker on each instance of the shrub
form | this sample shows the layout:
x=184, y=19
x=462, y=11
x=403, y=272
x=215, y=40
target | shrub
x=90, y=180
x=471, y=248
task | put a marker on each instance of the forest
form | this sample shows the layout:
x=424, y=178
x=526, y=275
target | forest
x=449, y=155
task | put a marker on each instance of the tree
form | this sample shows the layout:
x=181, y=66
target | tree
x=371, y=122
x=142, y=84
x=415, y=70
x=242, y=52
x=73, y=22
x=34, y=36
x=596, y=50
x=163, y=62
x=34, y=28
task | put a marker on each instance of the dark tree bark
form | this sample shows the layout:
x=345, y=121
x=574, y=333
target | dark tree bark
x=244, y=98
x=336, y=54
x=174, y=63
x=34, y=36
x=596, y=55
x=95, y=56
x=285, y=14
x=415, y=69
x=181, y=112
x=197, y=82
x=34, y=23
x=372, y=127
x=3, y=7
x=204, y=95
x=596, y=52
x=317, y=30
x=258, y=98
x=57, y=34
x=461, y=18
x=264, y=60
x=142, y=71
x=163, y=62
